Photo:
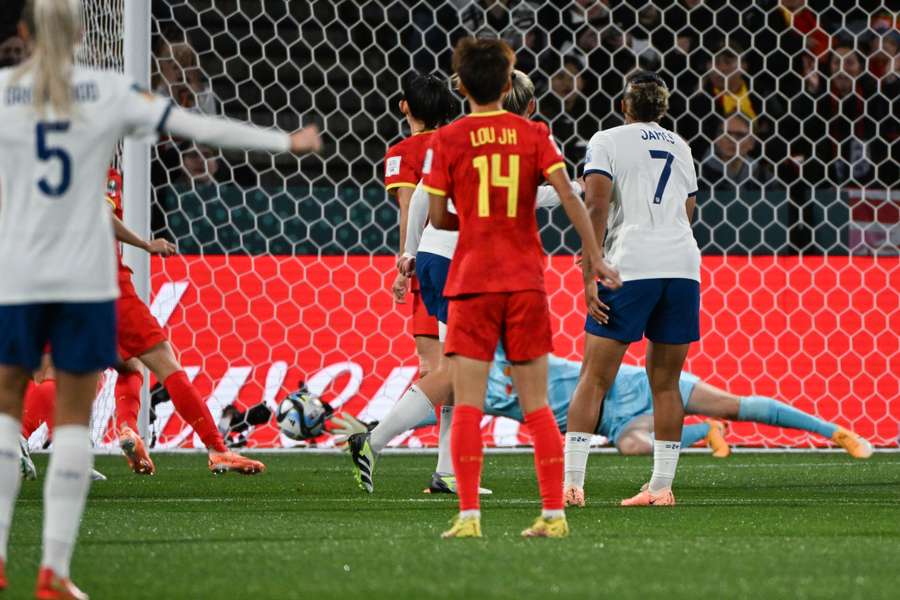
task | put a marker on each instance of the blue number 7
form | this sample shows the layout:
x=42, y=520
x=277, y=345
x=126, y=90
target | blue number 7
x=664, y=176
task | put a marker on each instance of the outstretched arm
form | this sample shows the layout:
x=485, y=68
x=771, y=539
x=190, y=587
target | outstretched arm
x=228, y=133
x=158, y=246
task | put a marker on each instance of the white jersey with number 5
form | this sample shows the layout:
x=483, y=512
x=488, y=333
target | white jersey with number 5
x=652, y=171
x=56, y=237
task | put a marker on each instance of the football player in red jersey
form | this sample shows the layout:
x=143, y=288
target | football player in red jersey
x=491, y=163
x=141, y=341
x=427, y=104
x=141, y=337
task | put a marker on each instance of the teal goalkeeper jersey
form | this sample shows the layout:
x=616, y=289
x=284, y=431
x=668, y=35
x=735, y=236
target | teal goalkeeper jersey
x=629, y=397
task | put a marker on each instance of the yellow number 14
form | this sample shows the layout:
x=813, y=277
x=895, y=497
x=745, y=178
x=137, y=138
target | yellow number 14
x=492, y=176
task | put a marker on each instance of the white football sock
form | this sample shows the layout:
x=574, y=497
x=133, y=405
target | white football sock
x=10, y=475
x=665, y=460
x=445, y=459
x=470, y=514
x=65, y=493
x=578, y=446
x=553, y=514
x=412, y=408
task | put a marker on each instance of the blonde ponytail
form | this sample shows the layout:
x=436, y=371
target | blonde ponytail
x=520, y=95
x=55, y=26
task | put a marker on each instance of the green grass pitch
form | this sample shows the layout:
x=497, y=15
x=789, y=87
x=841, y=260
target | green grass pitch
x=751, y=526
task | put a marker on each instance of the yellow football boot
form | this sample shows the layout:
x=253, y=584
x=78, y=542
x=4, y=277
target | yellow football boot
x=548, y=528
x=464, y=527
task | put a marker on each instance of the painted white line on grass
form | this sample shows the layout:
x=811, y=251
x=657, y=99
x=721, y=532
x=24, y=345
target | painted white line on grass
x=113, y=450
x=525, y=502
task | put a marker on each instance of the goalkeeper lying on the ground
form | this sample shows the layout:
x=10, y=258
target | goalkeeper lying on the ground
x=627, y=414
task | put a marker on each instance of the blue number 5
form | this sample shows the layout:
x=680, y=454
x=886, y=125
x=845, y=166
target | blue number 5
x=664, y=176
x=46, y=152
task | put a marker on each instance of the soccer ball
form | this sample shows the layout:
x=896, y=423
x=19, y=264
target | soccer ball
x=302, y=416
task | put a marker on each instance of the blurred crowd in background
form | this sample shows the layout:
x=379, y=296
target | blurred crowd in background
x=787, y=88
x=777, y=98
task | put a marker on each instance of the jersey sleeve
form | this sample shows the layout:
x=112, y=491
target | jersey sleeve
x=598, y=158
x=143, y=114
x=436, y=168
x=399, y=170
x=418, y=218
x=550, y=159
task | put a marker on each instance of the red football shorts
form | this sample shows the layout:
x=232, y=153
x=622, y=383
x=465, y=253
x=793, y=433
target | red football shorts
x=422, y=322
x=521, y=320
x=138, y=329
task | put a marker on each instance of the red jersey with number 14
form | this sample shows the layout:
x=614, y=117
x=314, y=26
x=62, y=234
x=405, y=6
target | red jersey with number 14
x=491, y=164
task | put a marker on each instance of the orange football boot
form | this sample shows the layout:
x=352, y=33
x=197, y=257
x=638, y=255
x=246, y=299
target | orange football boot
x=574, y=496
x=222, y=462
x=645, y=498
x=52, y=587
x=855, y=445
x=715, y=439
x=3, y=581
x=133, y=447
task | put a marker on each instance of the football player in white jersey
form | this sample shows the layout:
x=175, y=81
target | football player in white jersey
x=61, y=123
x=640, y=188
x=427, y=254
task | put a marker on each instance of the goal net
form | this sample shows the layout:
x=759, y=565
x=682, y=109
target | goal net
x=285, y=264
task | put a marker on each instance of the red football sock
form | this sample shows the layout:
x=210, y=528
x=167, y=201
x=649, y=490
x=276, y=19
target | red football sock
x=192, y=409
x=40, y=401
x=128, y=398
x=548, y=456
x=468, y=454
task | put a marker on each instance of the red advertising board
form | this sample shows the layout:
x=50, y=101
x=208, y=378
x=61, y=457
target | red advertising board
x=819, y=333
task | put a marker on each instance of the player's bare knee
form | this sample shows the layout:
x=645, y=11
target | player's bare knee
x=161, y=361
x=595, y=385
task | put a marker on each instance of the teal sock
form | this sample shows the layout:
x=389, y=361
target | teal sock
x=691, y=434
x=773, y=412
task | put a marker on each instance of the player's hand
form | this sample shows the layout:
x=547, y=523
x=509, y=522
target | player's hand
x=306, y=140
x=407, y=265
x=604, y=273
x=161, y=247
x=595, y=307
x=400, y=287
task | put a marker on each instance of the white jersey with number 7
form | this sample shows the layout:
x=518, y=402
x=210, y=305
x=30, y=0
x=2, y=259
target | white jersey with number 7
x=652, y=172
